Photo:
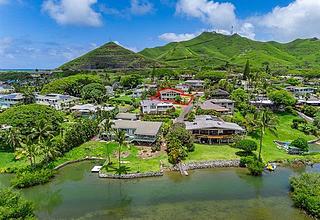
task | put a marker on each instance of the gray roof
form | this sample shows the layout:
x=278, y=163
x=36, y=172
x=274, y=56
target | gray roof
x=208, y=105
x=220, y=92
x=209, y=123
x=220, y=101
x=127, y=116
x=141, y=127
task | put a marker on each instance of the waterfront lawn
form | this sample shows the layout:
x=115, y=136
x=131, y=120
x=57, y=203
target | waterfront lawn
x=8, y=162
x=212, y=152
x=137, y=164
x=284, y=133
x=88, y=149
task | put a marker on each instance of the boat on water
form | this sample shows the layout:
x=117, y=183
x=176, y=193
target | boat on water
x=271, y=166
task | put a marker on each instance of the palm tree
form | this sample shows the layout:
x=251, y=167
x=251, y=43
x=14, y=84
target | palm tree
x=120, y=138
x=262, y=121
x=106, y=128
x=42, y=131
x=13, y=138
x=50, y=151
x=29, y=150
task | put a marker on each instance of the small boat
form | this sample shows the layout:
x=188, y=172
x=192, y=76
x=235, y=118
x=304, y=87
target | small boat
x=271, y=166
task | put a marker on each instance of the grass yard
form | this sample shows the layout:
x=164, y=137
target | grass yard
x=212, y=152
x=284, y=133
x=8, y=162
x=90, y=149
x=124, y=99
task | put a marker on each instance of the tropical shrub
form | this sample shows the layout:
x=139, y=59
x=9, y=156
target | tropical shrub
x=28, y=178
x=282, y=98
x=27, y=117
x=14, y=206
x=93, y=92
x=300, y=143
x=255, y=167
x=247, y=146
x=306, y=192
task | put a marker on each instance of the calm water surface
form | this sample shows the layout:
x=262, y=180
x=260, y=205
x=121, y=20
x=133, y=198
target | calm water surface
x=205, y=194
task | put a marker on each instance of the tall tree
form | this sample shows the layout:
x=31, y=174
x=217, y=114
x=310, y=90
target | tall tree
x=246, y=71
x=262, y=121
x=120, y=138
x=42, y=131
x=29, y=150
x=105, y=127
x=13, y=138
x=29, y=96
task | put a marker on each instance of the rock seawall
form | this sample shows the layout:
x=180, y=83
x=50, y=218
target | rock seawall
x=131, y=175
x=209, y=164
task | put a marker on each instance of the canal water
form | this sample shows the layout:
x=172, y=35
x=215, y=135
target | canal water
x=224, y=193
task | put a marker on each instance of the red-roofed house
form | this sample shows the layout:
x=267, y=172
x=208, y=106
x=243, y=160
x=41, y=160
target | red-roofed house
x=170, y=95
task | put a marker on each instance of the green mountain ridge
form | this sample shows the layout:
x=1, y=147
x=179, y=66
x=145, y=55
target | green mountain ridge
x=208, y=49
x=110, y=56
x=211, y=48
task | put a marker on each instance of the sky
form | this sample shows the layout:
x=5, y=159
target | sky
x=47, y=33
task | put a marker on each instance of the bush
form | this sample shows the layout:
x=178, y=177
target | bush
x=247, y=146
x=13, y=206
x=255, y=167
x=24, y=179
x=300, y=143
x=306, y=192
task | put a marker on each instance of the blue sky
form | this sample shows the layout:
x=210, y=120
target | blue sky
x=47, y=33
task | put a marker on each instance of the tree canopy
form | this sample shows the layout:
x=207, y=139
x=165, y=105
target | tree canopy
x=71, y=85
x=282, y=98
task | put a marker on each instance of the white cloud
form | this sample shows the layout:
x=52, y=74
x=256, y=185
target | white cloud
x=218, y=15
x=5, y=44
x=2, y=2
x=300, y=19
x=172, y=37
x=73, y=12
x=140, y=7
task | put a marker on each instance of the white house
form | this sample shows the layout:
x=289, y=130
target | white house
x=300, y=91
x=57, y=101
x=183, y=87
x=155, y=106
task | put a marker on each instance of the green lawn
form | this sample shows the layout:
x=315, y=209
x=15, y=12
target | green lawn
x=89, y=149
x=99, y=149
x=124, y=99
x=284, y=133
x=212, y=152
x=8, y=162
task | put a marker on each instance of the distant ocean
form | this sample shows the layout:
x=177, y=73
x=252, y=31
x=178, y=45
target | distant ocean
x=20, y=70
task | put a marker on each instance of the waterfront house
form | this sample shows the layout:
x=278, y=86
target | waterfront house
x=141, y=132
x=127, y=116
x=57, y=101
x=211, y=130
x=155, y=106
